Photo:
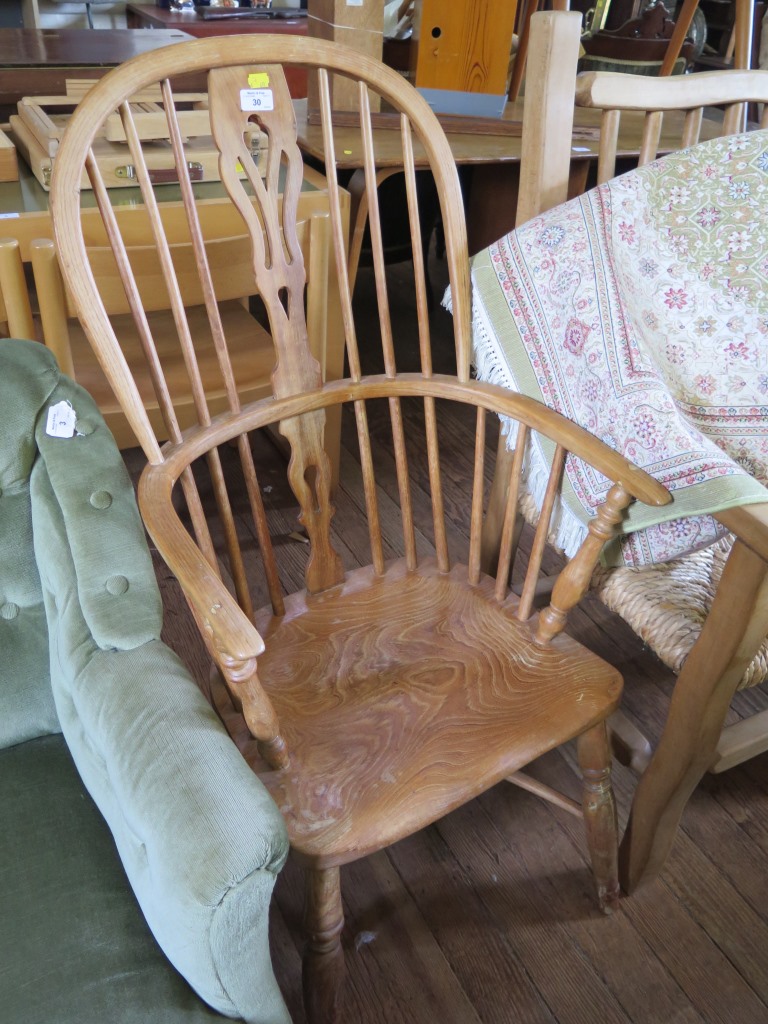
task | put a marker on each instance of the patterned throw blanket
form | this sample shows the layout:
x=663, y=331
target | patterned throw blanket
x=640, y=310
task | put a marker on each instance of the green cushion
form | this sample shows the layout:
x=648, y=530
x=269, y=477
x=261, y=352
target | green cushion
x=26, y=702
x=28, y=376
x=116, y=585
x=199, y=837
x=101, y=526
x=74, y=946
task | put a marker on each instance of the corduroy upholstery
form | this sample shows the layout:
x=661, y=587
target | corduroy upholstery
x=199, y=838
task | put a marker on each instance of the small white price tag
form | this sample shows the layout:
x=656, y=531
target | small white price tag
x=256, y=99
x=61, y=420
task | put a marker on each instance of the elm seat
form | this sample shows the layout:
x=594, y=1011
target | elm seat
x=91, y=701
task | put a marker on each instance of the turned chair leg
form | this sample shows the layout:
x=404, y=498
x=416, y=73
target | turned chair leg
x=323, y=966
x=600, y=814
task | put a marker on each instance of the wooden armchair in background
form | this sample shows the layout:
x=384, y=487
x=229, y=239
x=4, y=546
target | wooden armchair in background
x=669, y=50
x=380, y=698
x=250, y=346
x=710, y=630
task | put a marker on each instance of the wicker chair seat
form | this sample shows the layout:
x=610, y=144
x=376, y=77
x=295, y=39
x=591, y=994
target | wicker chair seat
x=667, y=604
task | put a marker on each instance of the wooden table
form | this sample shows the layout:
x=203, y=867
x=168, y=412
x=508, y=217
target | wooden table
x=38, y=62
x=495, y=160
x=148, y=16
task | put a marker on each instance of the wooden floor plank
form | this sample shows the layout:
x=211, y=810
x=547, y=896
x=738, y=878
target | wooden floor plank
x=666, y=917
x=647, y=992
x=480, y=954
x=520, y=904
x=728, y=818
x=403, y=947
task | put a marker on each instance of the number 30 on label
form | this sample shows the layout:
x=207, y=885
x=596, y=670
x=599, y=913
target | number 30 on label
x=256, y=99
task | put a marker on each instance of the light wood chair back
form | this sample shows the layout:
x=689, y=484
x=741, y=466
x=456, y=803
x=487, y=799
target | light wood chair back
x=373, y=699
x=248, y=340
x=615, y=94
x=736, y=625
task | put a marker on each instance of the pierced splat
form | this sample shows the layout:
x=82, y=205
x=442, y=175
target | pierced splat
x=277, y=259
x=280, y=276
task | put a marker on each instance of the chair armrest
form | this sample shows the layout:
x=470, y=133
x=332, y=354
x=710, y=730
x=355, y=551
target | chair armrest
x=232, y=639
x=750, y=524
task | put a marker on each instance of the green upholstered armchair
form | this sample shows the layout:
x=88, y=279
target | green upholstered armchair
x=88, y=692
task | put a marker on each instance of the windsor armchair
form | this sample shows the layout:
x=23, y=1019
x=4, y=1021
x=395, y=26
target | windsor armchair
x=703, y=614
x=377, y=697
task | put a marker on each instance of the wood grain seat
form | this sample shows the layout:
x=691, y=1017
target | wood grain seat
x=442, y=700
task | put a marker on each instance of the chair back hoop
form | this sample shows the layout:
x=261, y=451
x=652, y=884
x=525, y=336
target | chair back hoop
x=231, y=64
x=689, y=95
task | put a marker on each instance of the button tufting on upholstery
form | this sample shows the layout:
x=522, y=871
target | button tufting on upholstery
x=101, y=499
x=84, y=427
x=9, y=610
x=116, y=585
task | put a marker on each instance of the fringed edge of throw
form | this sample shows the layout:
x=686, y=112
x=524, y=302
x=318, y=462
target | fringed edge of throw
x=567, y=531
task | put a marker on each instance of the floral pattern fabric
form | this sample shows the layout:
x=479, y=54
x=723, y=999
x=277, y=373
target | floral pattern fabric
x=640, y=310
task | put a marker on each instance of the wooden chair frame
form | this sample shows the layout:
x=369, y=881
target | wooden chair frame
x=694, y=739
x=355, y=757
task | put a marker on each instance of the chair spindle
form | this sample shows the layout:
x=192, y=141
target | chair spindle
x=422, y=310
x=138, y=313
x=198, y=247
x=377, y=245
x=476, y=518
x=649, y=147
x=507, y=544
x=733, y=120
x=339, y=246
x=353, y=355
x=417, y=253
x=692, y=127
x=609, y=141
x=369, y=488
x=166, y=263
x=542, y=531
x=385, y=325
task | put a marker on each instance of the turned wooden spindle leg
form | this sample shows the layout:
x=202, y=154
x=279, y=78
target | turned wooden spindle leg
x=600, y=814
x=323, y=968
